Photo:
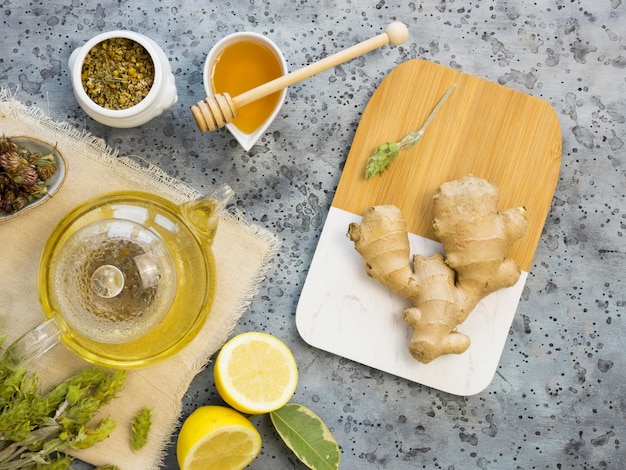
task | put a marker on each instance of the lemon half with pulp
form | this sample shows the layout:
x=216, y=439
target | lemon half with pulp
x=255, y=373
x=217, y=438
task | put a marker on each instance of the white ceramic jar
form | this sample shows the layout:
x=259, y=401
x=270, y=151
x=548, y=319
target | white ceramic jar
x=161, y=96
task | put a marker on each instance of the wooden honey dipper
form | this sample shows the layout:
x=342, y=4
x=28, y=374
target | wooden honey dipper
x=214, y=112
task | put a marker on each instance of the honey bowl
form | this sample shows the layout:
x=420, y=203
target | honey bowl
x=122, y=79
x=240, y=62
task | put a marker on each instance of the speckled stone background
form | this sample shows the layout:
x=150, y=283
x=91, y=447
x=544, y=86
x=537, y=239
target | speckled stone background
x=558, y=398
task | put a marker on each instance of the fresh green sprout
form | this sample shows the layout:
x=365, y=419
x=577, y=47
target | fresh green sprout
x=140, y=427
x=386, y=153
x=37, y=428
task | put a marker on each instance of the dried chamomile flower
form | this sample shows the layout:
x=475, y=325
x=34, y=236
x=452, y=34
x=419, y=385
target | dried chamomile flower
x=117, y=73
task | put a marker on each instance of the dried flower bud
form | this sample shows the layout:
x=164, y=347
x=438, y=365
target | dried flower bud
x=46, y=166
x=20, y=201
x=7, y=145
x=23, y=175
x=27, y=176
x=8, y=183
x=23, y=152
x=37, y=190
x=46, y=172
x=32, y=157
x=11, y=162
x=6, y=205
x=39, y=159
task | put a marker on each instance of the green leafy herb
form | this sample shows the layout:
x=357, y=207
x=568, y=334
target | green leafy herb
x=307, y=436
x=386, y=153
x=140, y=427
x=36, y=428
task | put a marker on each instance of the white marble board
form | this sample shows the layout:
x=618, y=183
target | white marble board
x=343, y=311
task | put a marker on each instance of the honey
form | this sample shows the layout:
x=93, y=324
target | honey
x=240, y=67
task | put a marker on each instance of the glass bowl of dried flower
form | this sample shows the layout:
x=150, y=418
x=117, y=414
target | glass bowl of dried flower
x=31, y=171
x=122, y=79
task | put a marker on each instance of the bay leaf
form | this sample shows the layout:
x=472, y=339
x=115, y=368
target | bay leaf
x=307, y=436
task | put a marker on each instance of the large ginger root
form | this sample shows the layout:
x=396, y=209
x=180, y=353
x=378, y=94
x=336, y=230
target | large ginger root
x=443, y=291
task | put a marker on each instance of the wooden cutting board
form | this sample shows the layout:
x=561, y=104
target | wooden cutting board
x=504, y=136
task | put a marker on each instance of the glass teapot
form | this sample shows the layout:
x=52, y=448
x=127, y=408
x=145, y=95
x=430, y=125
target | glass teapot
x=126, y=279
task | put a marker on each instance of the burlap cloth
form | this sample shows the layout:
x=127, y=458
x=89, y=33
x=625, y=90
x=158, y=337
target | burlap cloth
x=241, y=251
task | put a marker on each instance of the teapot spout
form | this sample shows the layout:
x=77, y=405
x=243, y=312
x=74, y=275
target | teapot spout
x=203, y=213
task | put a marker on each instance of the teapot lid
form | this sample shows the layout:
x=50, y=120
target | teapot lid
x=113, y=280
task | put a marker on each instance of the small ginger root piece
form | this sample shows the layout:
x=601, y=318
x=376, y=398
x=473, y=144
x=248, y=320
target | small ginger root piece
x=443, y=290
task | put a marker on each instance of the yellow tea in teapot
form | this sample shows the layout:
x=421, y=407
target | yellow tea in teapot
x=240, y=67
x=113, y=281
x=127, y=279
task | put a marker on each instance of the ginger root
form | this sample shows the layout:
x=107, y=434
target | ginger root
x=443, y=290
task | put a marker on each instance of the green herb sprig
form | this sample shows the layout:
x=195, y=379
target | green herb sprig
x=140, y=428
x=36, y=428
x=386, y=153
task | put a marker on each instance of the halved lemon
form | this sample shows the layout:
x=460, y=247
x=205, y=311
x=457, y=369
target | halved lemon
x=255, y=373
x=217, y=438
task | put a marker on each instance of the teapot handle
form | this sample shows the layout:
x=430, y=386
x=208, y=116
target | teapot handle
x=203, y=214
x=33, y=344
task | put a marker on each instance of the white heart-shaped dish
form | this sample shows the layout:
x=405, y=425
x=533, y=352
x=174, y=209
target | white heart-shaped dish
x=245, y=139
